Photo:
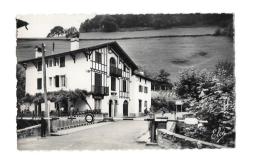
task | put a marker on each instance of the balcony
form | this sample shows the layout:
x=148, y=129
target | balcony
x=100, y=90
x=116, y=72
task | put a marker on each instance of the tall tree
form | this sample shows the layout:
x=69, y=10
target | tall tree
x=163, y=76
x=56, y=32
x=20, y=87
x=71, y=32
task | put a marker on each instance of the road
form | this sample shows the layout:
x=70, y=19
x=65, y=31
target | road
x=115, y=135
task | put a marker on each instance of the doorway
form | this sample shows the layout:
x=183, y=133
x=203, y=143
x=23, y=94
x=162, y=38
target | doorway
x=110, y=108
x=115, y=108
x=140, y=105
x=125, y=108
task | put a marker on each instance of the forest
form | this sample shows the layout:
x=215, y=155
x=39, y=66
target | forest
x=123, y=22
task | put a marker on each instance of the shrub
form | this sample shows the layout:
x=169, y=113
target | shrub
x=211, y=97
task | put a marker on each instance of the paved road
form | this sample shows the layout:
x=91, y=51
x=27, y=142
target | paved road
x=115, y=135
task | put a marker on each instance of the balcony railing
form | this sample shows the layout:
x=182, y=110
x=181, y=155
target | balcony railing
x=114, y=71
x=100, y=90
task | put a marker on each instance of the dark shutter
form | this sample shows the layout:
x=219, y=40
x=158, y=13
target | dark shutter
x=39, y=83
x=39, y=66
x=113, y=83
x=62, y=61
x=124, y=85
x=98, y=58
x=57, y=83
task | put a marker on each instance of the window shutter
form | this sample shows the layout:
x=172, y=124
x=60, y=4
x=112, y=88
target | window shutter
x=57, y=83
x=39, y=83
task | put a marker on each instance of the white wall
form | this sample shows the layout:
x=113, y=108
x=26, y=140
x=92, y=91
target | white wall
x=78, y=75
x=136, y=95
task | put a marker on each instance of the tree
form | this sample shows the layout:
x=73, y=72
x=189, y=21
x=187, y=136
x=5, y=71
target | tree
x=71, y=32
x=192, y=82
x=108, y=24
x=20, y=87
x=56, y=32
x=208, y=98
x=163, y=76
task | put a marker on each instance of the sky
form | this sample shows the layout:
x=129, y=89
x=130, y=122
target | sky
x=40, y=25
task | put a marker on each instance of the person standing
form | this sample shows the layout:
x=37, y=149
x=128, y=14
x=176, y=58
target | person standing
x=72, y=109
x=43, y=127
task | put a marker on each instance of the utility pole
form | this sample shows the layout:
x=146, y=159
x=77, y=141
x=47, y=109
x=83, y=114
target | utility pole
x=47, y=113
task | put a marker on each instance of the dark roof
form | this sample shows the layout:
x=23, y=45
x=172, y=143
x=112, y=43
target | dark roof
x=25, y=49
x=114, y=45
x=143, y=76
x=21, y=23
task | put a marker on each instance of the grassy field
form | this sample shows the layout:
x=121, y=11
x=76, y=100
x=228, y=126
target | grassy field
x=170, y=53
x=176, y=54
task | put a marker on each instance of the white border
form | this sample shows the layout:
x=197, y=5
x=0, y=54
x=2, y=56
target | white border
x=247, y=85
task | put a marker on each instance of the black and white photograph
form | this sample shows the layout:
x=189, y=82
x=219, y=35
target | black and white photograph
x=129, y=82
x=125, y=81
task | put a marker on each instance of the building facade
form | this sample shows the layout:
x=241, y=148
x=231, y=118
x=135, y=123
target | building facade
x=105, y=70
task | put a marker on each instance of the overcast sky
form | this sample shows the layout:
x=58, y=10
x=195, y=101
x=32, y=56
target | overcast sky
x=40, y=25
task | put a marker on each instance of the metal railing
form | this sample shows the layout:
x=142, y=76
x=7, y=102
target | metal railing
x=55, y=113
x=114, y=71
x=100, y=90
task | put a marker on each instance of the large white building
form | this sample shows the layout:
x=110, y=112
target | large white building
x=105, y=70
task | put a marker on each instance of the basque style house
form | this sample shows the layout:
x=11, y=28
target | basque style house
x=105, y=70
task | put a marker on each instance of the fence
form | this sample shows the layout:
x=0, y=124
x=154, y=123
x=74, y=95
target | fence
x=29, y=131
x=29, y=114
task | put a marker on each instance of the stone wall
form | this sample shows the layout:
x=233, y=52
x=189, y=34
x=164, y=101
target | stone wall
x=169, y=140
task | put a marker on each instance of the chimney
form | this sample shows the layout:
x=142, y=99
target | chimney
x=141, y=73
x=74, y=44
x=38, y=51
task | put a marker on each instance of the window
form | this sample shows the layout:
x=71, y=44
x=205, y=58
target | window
x=63, y=80
x=124, y=85
x=145, y=90
x=50, y=62
x=145, y=104
x=98, y=58
x=140, y=88
x=97, y=104
x=112, y=62
x=56, y=62
x=39, y=66
x=39, y=83
x=57, y=83
x=50, y=81
x=140, y=79
x=124, y=68
x=113, y=83
x=98, y=80
x=62, y=61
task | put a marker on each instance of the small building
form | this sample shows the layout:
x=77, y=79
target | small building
x=105, y=70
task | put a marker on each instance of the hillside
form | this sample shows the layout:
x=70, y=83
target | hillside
x=170, y=53
x=173, y=54
x=112, y=23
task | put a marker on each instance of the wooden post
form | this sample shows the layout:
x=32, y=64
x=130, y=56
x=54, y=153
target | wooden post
x=47, y=113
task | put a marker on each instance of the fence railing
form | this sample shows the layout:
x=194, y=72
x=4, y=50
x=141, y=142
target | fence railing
x=29, y=131
x=100, y=90
x=114, y=71
x=32, y=115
